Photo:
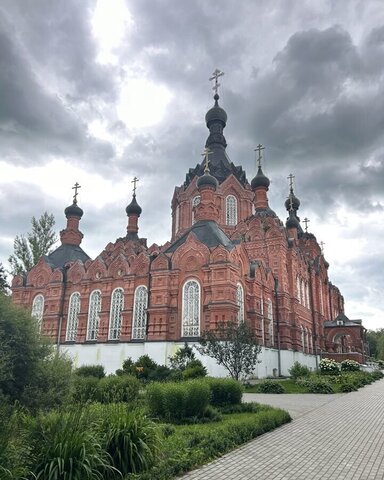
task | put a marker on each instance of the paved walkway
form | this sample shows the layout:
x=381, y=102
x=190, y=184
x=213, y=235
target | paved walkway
x=342, y=439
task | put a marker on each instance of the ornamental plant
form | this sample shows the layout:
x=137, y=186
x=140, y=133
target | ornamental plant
x=350, y=366
x=329, y=367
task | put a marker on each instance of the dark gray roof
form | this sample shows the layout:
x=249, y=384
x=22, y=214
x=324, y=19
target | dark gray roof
x=346, y=322
x=66, y=253
x=208, y=233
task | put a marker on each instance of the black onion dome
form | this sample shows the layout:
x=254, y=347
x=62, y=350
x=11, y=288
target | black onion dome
x=133, y=208
x=292, y=200
x=292, y=221
x=207, y=180
x=260, y=180
x=216, y=114
x=73, y=211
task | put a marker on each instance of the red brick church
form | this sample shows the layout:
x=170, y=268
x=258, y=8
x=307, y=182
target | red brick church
x=229, y=258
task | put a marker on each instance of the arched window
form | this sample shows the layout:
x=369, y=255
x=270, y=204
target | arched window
x=38, y=308
x=72, y=320
x=231, y=210
x=93, y=315
x=307, y=295
x=191, y=309
x=195, y=201
x=262, y=321
x=321, y=298
x=302, y=293
x=139, y=325
x=240, y=303
x=117, y=305
x=270, y=318
x=302, y=338
x=177, y=218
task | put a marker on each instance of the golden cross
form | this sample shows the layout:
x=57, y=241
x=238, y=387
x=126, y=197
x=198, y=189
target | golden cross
x=215, y=75
x=75, y=187
x=290, y=178
x=258, y=149
x=306, y=221
x=134, y=181
x=205, y=154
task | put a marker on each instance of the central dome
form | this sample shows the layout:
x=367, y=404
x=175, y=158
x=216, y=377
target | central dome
x=216, y=114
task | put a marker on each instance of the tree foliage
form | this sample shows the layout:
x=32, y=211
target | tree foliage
x=28, y=249
x=4, y=287
x=234, y=346
x=375, y=339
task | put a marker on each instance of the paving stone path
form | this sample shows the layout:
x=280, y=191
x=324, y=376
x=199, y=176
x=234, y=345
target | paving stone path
x=341, y=438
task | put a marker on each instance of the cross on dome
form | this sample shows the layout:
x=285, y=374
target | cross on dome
x=259, y=149
x=134, y=181
x=290, y=178
x=215, y=76
x=306, y=221
x=75, y=187
x=206, y=152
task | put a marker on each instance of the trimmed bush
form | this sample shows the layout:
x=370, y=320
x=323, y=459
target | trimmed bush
x=270, y=386
x=316, y=385
x=90, y=371
x=116, y=389
x=224, y=391
x=298, y=370
x=350, y=366
x=176, y=401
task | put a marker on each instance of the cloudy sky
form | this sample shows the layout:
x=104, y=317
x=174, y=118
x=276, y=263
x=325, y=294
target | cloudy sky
x=100, y=91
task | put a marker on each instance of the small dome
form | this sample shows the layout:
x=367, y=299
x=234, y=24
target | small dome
x=216, y=114
x=207, y=180
x=133, y=208
x=260, y=180
x=292, y=221
x=292, y=199
x=73, y=211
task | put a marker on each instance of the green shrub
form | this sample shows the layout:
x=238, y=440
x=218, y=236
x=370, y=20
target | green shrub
x=298, y=370
x=129, y=437
x=84, y=389
x=349, y=366
x=177, y=401
x=90, y=371
x=224, y=391
x=317, y=385
x=194, y=369
x=270, y=386
x=329, y=367
x=64, y=446
x=116, y=389
x=377, y=375
x=248, y=407
x=347, y=387
x=182, y=358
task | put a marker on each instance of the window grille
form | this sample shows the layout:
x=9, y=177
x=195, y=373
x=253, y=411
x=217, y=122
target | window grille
x=72, y=319
x=117, y=306
x=240, y=303
x=140, y=313
x=191, y=309
x=231, y=210
x=93, y=315
x=38, y=308
x=195, y=202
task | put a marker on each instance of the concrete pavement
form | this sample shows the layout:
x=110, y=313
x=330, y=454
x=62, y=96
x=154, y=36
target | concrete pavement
x=340, y=438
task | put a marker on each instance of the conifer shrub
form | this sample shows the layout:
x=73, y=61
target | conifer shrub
x=90, y=371
x=224, y=391
x=298, y=370
x=270, y=386
x=174, y=402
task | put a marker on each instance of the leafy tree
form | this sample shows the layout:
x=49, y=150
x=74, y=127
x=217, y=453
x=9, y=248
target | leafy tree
x=375, y=339
x=28, y=249
x=182, y=358
x=3, y=280
x=234, y=346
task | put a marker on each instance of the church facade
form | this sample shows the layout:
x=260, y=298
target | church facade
x=230, y=258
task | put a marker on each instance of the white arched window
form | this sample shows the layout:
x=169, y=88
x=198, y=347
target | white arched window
x=191, y=309
x=270, y=318
x=231, y=210
x=72, y=319
x=139, y=324
x=117, y=306
x=38, y=308
x=195, y=202
x=240, y=303
x=94, y=315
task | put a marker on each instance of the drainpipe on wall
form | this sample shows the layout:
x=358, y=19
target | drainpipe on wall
x=61, y=312
x=278, y=328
